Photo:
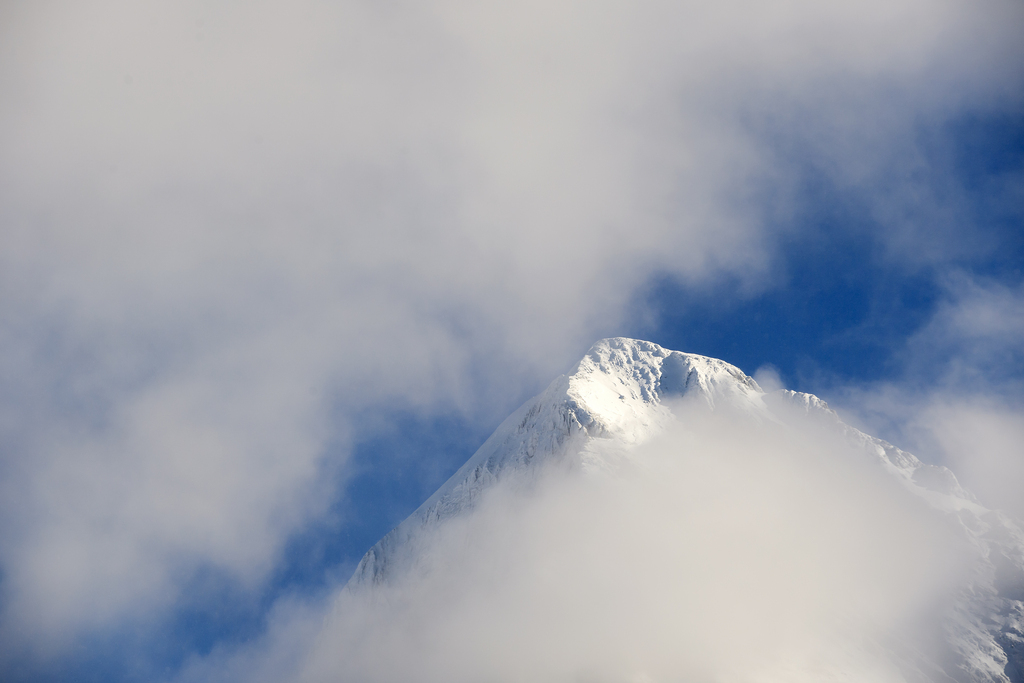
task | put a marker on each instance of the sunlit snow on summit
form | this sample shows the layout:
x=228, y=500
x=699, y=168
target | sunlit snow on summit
x=272, y=272
x=657, y=514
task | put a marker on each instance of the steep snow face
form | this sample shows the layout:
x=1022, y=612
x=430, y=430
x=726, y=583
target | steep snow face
x=625, y=391
x=617, y=396
x=624, y=384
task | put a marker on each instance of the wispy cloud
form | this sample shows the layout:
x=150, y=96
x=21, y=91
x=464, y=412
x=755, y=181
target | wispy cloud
x=727, y=549
x=957, y=397
x=227, y=227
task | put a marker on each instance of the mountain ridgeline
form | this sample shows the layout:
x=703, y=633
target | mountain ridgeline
x=625, y=392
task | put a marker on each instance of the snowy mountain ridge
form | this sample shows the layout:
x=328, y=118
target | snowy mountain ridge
x=621, y=394
x=617, y=392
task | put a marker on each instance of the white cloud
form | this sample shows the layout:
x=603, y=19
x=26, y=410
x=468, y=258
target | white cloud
x=958, y=397
x=983, y=442
x=225, y=226
x=974, y=339
x=731, y=551
x=767, y=377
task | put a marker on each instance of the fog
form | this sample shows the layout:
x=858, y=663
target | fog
x=723, y=550
x=956, y=396
x=230, y=229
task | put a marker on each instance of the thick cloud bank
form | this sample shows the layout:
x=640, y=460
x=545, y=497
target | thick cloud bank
x=723, y=551
x=228, y=229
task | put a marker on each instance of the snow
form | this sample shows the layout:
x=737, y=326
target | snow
x=624, y=392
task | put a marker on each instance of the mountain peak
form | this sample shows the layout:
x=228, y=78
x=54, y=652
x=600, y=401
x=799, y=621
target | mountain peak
x=637, y=374
x=626, y=391
x=620, y=393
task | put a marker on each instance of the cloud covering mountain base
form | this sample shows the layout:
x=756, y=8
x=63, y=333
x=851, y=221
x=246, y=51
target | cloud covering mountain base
x=655, y=516
x=721, y=551
x=229, y=231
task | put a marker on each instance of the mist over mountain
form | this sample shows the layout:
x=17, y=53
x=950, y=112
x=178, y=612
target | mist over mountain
x=657, y=516
x=271, y=272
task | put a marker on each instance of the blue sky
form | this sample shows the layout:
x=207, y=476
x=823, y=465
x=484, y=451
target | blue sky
x=843, y=316
x=271, y=274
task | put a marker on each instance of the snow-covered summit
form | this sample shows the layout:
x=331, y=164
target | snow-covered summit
x=620, y=394
x=618, y=391
x=623, y=384
x=625, y=391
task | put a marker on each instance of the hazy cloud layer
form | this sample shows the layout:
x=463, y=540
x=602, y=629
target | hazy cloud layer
x=728, y=551
x=225, y=226
x=958, y=396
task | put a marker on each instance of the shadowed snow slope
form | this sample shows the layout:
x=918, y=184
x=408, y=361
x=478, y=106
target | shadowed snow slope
x=626, y=392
